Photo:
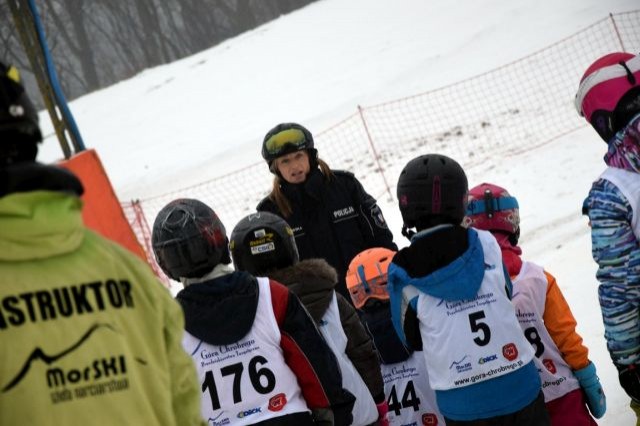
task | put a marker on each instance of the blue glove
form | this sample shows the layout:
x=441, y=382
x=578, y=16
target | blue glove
x=590, y=384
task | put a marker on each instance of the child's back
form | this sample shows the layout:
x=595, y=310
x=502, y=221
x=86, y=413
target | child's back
x=450, y=297
x=544, y=315
x=409, y=395
x=314, y=281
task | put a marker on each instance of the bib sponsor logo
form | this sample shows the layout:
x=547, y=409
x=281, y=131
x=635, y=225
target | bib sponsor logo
x=548, y=363
x=247, y=413
x=262, y=240
x=263, y=248
x=277, y=402
x=509, y=351
x=429, y=419
x=461, y=365
x=486, y=359
x=216, y=422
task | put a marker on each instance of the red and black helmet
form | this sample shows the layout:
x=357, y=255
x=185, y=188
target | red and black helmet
x=188, y=239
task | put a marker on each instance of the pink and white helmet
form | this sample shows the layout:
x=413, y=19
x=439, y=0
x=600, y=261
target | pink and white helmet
x=609, y=93
x=492, y=208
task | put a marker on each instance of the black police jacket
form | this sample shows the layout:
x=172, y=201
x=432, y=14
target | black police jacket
x=333, y=219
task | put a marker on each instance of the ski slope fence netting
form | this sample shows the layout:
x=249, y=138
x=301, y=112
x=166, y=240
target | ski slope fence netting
x=509, y=110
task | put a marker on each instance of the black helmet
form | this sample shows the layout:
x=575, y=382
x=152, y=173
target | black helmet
x=432, y=189
x=284, y=139
x=188, y=239
x=262, y=241
x=19, y=129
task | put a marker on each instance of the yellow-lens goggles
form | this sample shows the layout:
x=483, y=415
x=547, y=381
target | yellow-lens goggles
x=286, y=139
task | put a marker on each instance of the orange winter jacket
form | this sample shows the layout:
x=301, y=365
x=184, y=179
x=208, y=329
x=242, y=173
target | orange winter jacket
x=558, y=318
x=561, y=325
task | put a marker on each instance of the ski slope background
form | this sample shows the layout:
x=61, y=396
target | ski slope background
x=195, y=119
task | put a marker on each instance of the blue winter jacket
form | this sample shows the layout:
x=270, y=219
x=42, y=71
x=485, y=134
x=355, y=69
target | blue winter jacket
x=456, y=278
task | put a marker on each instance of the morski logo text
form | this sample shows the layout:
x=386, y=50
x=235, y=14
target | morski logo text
x=96, y=377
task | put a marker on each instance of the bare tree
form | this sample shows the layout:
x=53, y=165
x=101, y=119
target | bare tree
x=75, y=36
x=99, y=42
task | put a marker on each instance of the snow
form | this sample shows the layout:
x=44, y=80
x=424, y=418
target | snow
x=180, y=124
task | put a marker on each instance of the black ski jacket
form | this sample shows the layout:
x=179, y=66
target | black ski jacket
x=313, y=281
x=333, y=219
x=221, y=311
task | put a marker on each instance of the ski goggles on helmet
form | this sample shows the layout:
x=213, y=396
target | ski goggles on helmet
x=492, y=210
x=489, y=205
x=367, y=276
x=285, y=141
x=364, y=290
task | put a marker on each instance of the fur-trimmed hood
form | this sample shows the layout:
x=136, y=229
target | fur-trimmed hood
x=313, y=281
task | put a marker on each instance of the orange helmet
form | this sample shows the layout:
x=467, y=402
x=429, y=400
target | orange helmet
x=367, y=275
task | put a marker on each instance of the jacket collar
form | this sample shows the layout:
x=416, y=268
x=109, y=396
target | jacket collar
x=218, y=271
x=39, y=224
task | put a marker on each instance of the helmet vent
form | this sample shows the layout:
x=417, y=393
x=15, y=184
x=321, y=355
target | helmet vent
x=436, y=200
x=630, y=75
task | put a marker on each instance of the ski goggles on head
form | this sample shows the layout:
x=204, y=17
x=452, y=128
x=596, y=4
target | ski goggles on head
x=364, y=289
x=490, y=205
x=289, y=140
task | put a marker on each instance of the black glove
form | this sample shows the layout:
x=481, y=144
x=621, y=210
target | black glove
x=342, y=411
x=629, y=376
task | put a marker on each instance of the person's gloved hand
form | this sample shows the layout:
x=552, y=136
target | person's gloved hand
x=342, y=410
x=590, y=384
x=629, y=377
x=383, y=409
